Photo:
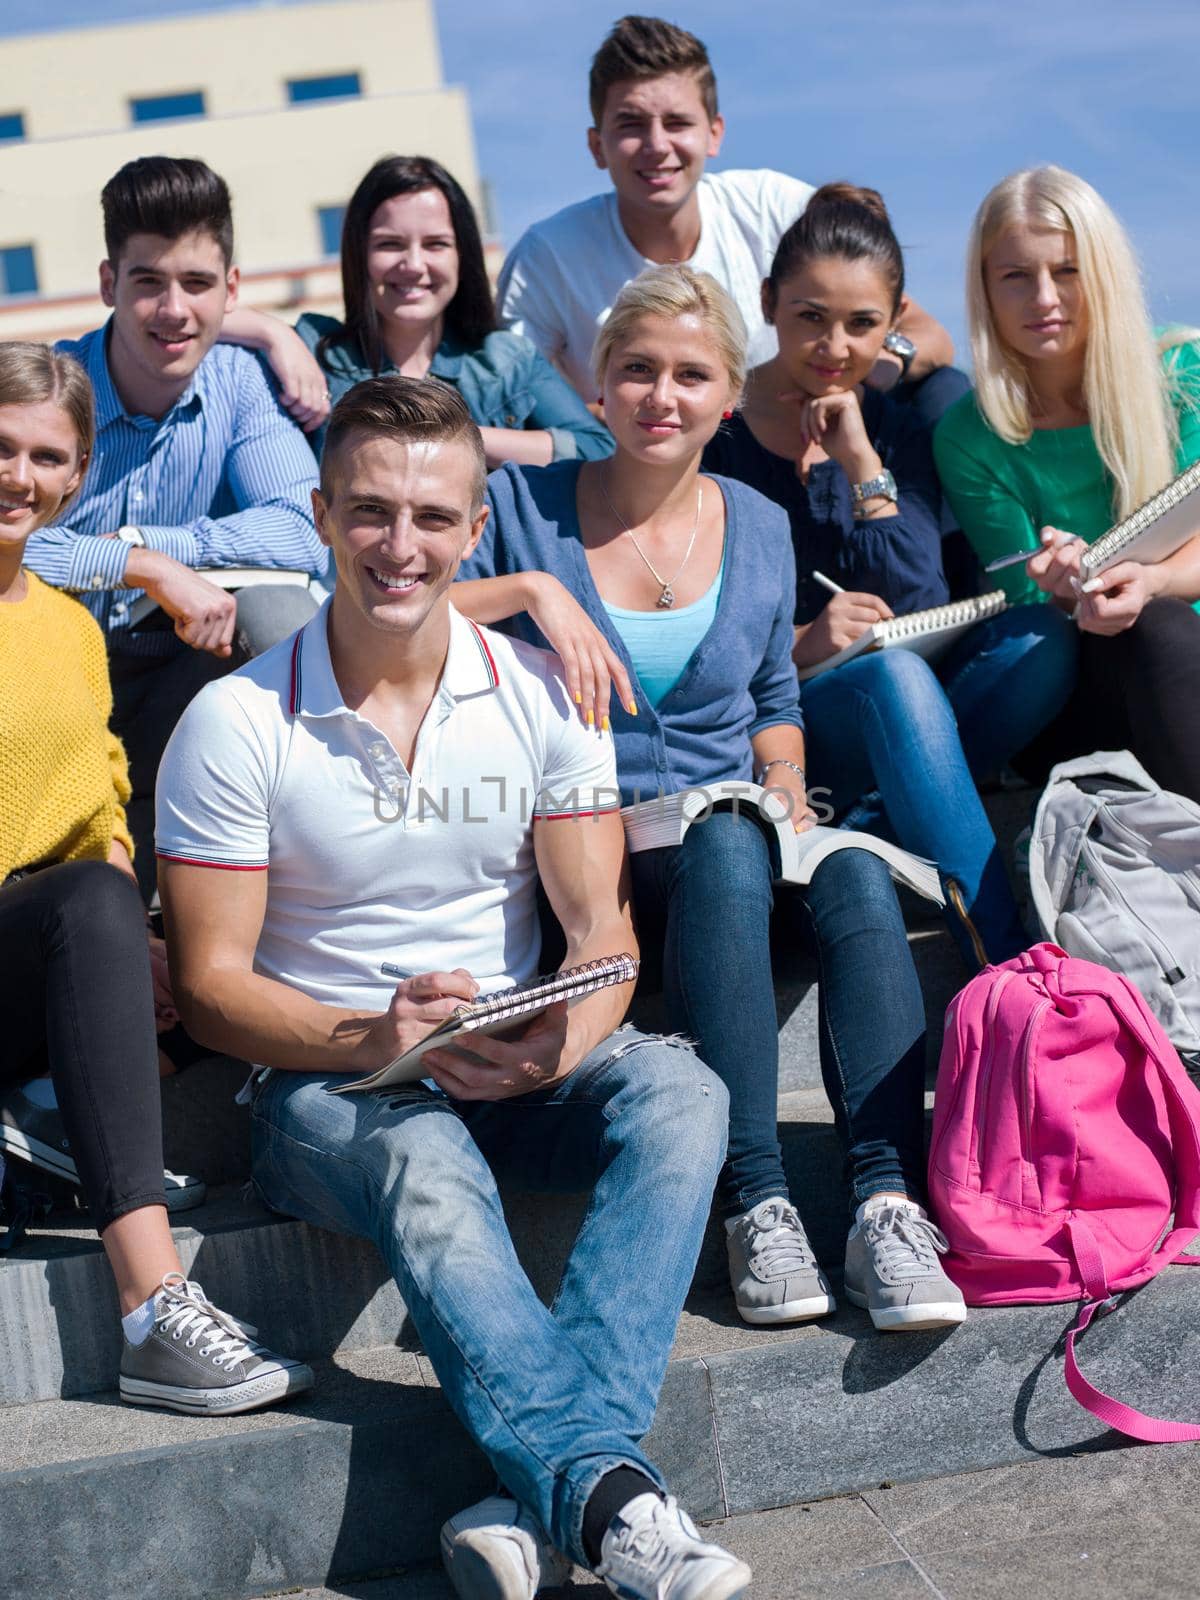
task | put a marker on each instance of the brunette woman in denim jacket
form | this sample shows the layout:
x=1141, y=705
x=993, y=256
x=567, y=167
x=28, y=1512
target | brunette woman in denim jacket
x=418, y=302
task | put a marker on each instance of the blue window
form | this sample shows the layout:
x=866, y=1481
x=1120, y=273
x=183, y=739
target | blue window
x=18, y=270
x=12, y=125
x=338, y=86
x=167, y=107
x=329, y=220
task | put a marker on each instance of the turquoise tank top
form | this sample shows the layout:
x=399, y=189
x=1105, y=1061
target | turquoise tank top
x=661, y=643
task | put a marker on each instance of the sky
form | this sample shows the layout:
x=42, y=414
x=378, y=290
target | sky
x=929, y=101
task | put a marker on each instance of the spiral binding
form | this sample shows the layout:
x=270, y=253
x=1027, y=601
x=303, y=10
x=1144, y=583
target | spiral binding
x=1110, y=544
x=950, y=616
x=570, y=984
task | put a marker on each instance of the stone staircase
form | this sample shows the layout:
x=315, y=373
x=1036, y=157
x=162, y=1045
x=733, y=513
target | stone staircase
x=103, y=1500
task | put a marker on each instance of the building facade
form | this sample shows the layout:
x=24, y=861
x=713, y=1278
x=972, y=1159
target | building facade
x=289, y=103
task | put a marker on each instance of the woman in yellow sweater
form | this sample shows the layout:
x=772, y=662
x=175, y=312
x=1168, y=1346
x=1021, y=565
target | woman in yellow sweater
x=77, y=996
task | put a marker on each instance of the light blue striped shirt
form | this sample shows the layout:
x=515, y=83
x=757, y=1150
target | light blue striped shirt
x=224, y=480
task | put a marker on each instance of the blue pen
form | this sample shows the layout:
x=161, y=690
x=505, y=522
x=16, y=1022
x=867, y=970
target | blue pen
x=390, y=971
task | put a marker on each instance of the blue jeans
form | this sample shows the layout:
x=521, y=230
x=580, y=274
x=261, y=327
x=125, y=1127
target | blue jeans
x=555, y=1398
x=883, y=735
x=707, y=904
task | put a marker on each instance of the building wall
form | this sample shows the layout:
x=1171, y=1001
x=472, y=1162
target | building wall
x=281, y=161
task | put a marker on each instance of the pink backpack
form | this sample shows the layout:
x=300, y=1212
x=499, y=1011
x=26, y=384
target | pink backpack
x=1065, y=1134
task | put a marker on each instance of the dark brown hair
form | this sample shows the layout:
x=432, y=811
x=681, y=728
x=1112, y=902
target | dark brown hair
x=168, y=197
x=647, y=47
x=410, y=411
x=471, y=315
x=841, y=220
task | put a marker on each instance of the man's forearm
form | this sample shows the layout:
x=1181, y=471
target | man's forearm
x=935, y=348
x=258, y=1019
x=596, y=1017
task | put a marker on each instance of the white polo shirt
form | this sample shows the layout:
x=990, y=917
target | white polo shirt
x=269, y=770
x=559, y=281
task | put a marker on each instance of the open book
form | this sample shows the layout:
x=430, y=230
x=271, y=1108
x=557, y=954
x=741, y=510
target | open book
x=651, y=824
x=494, y=1012
x=228, y=578
x=929, y=632
x=1159, y=527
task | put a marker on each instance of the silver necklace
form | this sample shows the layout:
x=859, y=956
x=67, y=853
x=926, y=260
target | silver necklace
x=667, y=598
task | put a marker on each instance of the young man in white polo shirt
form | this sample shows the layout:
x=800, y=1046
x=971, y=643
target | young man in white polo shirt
x=655, y=124
x=406, y=778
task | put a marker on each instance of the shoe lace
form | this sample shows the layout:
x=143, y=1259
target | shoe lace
x=780, y=1240
x=653, y=1544
x=185, y=1312
x=905, y=1239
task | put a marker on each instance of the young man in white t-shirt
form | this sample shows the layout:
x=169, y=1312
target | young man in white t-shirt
x=388, y=786
x=655, y=124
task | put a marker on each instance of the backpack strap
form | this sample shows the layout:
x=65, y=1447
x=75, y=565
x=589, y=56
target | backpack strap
x=1115, y=1413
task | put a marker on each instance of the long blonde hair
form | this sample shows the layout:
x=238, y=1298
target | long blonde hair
x=1130, y=399
x=31, y=373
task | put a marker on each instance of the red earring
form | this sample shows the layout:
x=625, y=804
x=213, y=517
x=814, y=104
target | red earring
x=726, y=415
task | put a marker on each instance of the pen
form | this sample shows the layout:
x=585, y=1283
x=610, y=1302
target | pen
x=1023, y=555
x=391, y=971
x=827, y=583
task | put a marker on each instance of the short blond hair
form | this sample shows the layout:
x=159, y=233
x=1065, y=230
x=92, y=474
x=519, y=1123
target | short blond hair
x=676, y=291
x=31, y=373
x=1130, y=399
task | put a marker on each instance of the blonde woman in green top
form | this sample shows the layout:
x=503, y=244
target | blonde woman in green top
x=1078, y=415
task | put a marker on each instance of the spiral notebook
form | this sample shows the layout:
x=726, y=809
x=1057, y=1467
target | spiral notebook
x=929, y=632
x=1159, y=527
x=497, y=1011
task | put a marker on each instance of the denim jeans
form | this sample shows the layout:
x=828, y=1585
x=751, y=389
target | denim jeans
x=555, y=1398
x=707, y=905
x=883, y=735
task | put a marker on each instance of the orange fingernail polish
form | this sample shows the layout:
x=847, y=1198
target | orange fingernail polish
x=633, y=708
x=578, y=698
x=606, y=725
x=591, y=718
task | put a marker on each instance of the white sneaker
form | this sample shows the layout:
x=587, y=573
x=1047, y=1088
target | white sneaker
x=651, y=1551
x=892, y=1268
x=497, y=1551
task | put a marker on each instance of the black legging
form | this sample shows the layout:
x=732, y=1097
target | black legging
x=76, y=998
x=1138, y=690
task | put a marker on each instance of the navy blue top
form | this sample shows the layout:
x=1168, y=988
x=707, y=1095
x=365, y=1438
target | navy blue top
x=740, y=677
x=897, y=558
x=507, y=383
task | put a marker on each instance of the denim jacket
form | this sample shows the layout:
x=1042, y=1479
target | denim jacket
x=506, y=382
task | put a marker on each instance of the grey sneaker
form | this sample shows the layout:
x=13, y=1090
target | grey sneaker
x=35, y=1133
x=652, y=1551
x=497, y=1551
x=774, y=1273
x=199, y=1359
x=892, y=1269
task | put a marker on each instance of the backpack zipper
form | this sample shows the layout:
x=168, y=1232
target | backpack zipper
x=1031, y=1021
x=985, y=1065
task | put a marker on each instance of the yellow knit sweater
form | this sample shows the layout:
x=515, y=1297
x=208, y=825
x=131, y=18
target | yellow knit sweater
x=63, y=779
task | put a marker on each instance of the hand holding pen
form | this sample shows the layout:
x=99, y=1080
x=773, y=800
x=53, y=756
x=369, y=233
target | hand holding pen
x=1054, y=567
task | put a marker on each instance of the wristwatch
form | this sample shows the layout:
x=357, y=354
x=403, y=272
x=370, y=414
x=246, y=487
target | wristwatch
x=131, y=535
x=882, y=486
x=901, y=346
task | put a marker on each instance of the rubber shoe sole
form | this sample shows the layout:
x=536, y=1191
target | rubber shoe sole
x=473, y=1577
x=227, y=1402
x=818, y=1305
x=910, y=1319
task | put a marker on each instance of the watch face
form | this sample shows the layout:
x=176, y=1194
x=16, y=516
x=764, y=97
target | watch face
x=900, y=345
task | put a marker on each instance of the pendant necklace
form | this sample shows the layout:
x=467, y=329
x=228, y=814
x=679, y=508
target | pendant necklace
x=667, y=598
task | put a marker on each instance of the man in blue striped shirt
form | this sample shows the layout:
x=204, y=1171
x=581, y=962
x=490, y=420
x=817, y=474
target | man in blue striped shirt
x=195, y=466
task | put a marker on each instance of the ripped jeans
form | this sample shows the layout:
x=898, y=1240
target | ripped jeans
x=555, y=1398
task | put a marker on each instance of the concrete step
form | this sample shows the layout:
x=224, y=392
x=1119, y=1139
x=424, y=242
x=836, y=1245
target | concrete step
x=357, y=1478
x=317, y=1294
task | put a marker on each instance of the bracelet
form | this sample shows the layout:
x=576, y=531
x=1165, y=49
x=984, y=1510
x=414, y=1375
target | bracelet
x=780, y=762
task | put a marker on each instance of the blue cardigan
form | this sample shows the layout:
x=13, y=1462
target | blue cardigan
x=740, y=678
x=506, y=382
x=897, y=558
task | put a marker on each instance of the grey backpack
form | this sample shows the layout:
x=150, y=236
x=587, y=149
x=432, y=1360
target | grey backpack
x=1114, y=867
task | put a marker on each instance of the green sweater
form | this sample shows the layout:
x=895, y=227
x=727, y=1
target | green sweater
x=1002, y=494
